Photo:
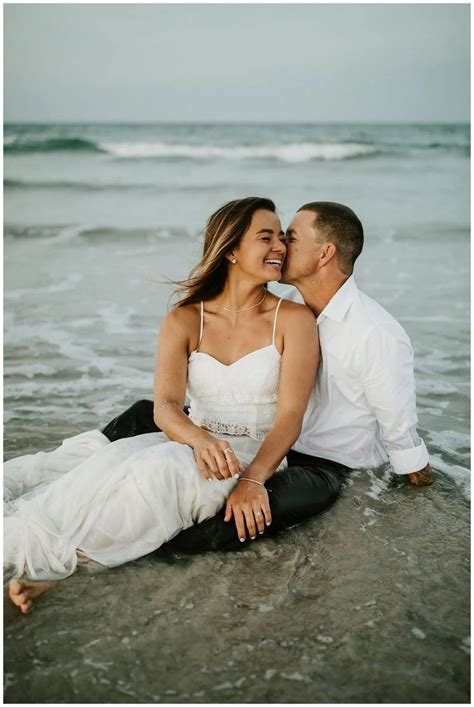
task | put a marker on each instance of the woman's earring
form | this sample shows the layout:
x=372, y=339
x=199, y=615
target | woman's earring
x=234, y=261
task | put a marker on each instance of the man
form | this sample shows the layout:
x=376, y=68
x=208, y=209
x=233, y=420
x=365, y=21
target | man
x=362, y=411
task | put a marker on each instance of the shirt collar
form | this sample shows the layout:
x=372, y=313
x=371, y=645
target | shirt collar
x=338, y=306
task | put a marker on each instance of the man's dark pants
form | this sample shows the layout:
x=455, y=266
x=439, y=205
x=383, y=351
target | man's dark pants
x=308, y=487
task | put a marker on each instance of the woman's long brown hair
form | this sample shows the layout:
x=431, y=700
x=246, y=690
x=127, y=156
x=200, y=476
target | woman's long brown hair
x=224, y=231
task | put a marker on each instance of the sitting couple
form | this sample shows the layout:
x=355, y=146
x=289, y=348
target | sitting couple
x=268, y=438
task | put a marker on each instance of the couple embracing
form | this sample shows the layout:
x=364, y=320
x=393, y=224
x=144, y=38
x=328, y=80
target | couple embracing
x=285, y=400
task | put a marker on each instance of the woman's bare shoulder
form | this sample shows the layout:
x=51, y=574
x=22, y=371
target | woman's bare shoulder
x=182, y=319
x=293, y=310
x=297, y=320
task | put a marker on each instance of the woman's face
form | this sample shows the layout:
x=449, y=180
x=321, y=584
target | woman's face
x=262, y=249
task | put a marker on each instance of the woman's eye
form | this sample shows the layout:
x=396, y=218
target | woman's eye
x=266, y=238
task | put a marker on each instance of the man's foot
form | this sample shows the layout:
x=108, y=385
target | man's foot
x=22, y=592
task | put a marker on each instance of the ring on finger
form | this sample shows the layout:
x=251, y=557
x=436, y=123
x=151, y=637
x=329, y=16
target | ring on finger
x=228, y=451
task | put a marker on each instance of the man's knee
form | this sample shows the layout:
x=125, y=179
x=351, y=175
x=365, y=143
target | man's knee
x=141, y=408
x=137, y=419
x=300, y=493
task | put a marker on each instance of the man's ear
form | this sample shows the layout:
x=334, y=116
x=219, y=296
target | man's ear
x=328, y=253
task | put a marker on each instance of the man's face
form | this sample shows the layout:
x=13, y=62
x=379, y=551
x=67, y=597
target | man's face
x=303, y=249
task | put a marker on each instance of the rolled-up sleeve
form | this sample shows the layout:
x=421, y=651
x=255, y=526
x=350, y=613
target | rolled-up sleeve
x=389, y=385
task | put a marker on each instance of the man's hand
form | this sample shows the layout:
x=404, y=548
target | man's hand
x=424, y=477
x=249, y=505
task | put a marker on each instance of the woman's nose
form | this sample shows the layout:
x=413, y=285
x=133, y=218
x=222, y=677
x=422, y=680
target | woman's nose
x=279, y=246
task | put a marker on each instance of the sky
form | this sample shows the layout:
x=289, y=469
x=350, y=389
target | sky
x=237, y=62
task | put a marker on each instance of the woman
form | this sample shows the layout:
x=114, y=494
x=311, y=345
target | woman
x=247, y=361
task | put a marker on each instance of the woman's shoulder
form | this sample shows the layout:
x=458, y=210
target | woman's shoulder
x=183, y=318
x=295, y=310
x=297, y=320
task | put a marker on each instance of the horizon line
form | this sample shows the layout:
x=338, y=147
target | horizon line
x=235, y=122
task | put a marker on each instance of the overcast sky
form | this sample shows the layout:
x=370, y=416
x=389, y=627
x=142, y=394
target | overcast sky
x=236, y=62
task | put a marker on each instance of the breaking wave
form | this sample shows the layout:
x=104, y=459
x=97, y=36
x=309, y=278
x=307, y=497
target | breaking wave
x=72, y=144
x=291, y=152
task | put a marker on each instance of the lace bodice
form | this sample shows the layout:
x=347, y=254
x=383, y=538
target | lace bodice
x=236, y=399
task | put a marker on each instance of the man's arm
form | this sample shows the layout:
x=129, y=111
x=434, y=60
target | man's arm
x=389, y=384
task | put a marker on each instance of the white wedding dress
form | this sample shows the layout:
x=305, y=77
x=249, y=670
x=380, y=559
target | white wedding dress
x=117, y=501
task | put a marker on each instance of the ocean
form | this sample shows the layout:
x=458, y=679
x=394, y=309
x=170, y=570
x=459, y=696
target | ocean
x=97, y=216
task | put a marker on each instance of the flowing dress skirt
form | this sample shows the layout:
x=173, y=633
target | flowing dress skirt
x=112, y=501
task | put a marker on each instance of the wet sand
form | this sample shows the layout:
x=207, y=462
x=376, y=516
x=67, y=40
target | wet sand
x=346, y=608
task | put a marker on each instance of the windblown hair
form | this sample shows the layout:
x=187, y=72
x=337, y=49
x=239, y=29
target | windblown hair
x=224, y=231
x=341, y=226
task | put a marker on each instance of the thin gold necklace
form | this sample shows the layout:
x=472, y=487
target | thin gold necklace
x=244, y=309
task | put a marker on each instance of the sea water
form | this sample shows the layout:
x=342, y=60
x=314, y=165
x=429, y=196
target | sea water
x=98, y=216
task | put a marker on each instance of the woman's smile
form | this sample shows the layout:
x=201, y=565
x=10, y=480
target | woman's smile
x=275, y=263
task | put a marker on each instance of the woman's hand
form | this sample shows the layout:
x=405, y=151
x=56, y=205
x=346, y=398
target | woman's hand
x=249, y=505
x=215, y=457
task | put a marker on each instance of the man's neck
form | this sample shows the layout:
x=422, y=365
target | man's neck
x=317, y=292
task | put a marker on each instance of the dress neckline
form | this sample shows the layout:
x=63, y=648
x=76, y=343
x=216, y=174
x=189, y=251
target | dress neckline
x=229, y=365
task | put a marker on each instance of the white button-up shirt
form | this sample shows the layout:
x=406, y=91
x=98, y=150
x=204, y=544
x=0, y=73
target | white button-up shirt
x=362, y=410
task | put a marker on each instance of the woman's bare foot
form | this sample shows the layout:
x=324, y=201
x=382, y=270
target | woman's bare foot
x=22, y=592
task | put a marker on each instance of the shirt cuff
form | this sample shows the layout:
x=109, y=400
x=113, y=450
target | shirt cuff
x=407, y=461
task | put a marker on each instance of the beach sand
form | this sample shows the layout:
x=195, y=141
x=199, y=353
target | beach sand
x=340, y=609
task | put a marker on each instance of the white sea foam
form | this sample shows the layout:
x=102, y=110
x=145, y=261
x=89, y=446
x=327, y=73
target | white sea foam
x=291, y=152
x=69, y=233
x=30, y=371
x=435, y=361
x=435, y=387
x=450, y=441
x=378, y=483
x=372, y=515
x=116, y=320
x=69, y=283
x=122, y=379
x=436, y=318
x=459, y=474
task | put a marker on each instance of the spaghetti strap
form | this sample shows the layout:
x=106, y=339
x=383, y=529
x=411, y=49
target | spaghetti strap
x=275, y=321
x=202, y=325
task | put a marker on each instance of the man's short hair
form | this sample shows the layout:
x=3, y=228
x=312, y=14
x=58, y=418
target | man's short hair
x=342, y=227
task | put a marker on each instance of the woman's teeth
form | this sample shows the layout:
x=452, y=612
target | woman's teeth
x=273, y=261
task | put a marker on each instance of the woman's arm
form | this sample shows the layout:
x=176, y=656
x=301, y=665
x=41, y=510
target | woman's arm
x=299, y=365
x=169, y=395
